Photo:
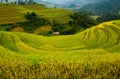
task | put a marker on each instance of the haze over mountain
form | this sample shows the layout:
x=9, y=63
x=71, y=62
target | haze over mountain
x=68, y=4
x=107, y=6
x=74, y=1
x=64, y=1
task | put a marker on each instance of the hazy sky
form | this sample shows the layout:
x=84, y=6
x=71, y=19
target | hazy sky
x=58, y=1
x=55, y=1
x=64, y=1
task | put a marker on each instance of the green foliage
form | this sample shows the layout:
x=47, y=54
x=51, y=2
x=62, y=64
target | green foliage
x=81, y=20
x=49, y=33
x=14, y=16
x=6, y=28
x=31, y=16
x=57, y=27
x=33, y=22
x=64, y=29
x=108, y=6
x=108, y=17
x=15, y=13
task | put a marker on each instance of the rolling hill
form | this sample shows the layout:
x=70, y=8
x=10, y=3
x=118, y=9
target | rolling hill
x=11, y=13
x=103, y=36
x=93, y=53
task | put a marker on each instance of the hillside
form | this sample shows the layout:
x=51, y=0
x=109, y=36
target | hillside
x=105, y=35
x=108, y=6
x=88, y=54
x=10, y=13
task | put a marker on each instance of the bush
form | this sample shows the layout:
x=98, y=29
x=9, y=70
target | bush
x=81, y=20
x=33, y=22
x=108, y=17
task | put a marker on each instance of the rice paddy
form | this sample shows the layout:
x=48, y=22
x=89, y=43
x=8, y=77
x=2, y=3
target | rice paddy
x=91, y=54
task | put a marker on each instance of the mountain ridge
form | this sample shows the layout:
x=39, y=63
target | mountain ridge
x=108, y=6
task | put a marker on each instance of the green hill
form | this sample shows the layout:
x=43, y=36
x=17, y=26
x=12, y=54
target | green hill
x=103, y=7
x=10, y=13
x=93, y=53
x=103, y=36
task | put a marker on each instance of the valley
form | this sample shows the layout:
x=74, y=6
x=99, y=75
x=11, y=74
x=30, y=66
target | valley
x=82, y=54
x=87, y=46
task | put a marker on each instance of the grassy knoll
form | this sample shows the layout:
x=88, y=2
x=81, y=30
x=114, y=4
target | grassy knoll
x=15, y=13
x=91, y=54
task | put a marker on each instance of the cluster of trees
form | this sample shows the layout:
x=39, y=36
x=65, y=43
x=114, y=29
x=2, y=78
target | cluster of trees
x=107, y=10
x=81, y=21
x=33, y=22
x=108, y=17
x=57, y=27
x=103, y=7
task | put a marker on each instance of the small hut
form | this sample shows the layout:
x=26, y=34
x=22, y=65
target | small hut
x=56, y=33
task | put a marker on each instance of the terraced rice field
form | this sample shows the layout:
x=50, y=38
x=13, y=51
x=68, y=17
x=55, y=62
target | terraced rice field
x=91, y=54
x=15, y=13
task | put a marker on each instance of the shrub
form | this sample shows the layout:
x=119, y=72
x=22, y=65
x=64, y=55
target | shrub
x=81, y=20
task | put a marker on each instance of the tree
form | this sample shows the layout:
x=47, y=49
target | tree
x=31, y=16
x=108, y=17
x=81, y=20
x=33, y=21
x=57, y=27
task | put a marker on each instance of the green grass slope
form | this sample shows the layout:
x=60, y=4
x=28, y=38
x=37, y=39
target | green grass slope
x=10, y=13
x=91, y=54
x=104, y=36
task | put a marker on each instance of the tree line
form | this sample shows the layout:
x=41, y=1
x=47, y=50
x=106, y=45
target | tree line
x=81, y=21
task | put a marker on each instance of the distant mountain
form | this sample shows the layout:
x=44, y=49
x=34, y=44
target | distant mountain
x=107, y=6
x=73, y=1
x=68, y=4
